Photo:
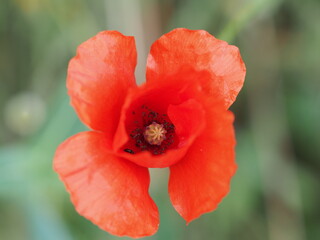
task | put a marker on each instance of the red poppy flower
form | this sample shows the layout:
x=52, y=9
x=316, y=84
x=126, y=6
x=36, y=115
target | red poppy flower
x=177, y=119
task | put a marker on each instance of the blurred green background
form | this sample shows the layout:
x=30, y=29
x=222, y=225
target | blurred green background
x=275, y=193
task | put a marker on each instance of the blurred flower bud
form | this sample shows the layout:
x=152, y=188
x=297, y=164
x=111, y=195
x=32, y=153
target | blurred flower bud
x=24, y=113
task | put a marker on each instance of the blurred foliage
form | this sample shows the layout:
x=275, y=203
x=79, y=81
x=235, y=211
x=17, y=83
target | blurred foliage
x=275, y=193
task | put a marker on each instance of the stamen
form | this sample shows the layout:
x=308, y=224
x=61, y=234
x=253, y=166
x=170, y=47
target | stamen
x=155, y=133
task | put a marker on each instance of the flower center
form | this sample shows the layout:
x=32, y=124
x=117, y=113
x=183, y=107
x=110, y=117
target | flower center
x=150, y=131
x=155, y=133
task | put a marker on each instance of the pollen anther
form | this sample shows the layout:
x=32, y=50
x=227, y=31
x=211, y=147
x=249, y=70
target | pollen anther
x=155, y=133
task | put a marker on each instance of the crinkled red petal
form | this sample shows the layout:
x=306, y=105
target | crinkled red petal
x=198, y=182
x=109, y=191
x=183, y=49
x=99, y=77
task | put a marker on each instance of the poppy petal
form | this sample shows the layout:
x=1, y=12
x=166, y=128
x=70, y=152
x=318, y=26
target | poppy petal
x=196, y=49
x=199, y=182
x=109, y=191
x=99, y=77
